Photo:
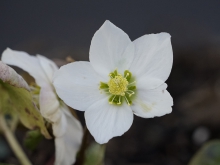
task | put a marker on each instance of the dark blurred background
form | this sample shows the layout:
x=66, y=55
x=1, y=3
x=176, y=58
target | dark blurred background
x=58, y=29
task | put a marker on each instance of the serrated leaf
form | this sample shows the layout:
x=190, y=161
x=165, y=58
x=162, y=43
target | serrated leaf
x=16, y=98
x=94, y=155
x=209, y=154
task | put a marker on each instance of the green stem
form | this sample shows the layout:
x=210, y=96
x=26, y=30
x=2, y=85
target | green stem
x=80, y=159
x=13, y=142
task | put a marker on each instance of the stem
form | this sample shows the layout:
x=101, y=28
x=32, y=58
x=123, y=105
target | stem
x=80, y=159
x=13, y=142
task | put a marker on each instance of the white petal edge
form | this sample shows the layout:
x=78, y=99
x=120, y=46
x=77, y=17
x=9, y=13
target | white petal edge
x=77, y=84
x=152, y=103
x=48, y=66
x=49, y=104
x=153, y=56
x=68, y=145
x=110, y=49
x=26, y=62
x=105, y=121
x=9, y=75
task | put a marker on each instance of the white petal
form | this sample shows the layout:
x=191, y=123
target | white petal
x=26, y=62
x=68, y=145
x=153, y=56
x=151, y=103
x=60, y=153
x=49, y=104
x=147, y=83
x=60, y=126
x=106, y=121
x=77, y=84
x=48, y=66
x=110, y=49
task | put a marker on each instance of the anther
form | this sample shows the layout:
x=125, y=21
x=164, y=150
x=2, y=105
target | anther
x=130, y=92
x=132, y=82
x=119, y=101
x=127, y=101
x=127, y=75
x=119, y=87
x=111, y=102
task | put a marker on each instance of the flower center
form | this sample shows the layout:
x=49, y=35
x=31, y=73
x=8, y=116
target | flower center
x=120, y=88
x=118, y=85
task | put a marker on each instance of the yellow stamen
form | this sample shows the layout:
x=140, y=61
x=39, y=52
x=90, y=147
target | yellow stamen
x=118, y=85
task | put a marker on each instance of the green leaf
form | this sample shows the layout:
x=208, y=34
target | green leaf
x=16, y=98
x=209, y=154
x=94, y=155
x=32, y=139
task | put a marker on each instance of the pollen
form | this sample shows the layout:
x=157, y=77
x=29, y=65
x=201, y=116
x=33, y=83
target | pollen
x=118, y=85
x=119, y=88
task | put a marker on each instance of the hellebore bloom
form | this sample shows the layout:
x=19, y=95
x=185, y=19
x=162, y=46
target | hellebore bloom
x=66, y=128
x=122, y=78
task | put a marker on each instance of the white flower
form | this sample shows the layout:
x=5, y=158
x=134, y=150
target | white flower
x=66, y=128
x=122, y=78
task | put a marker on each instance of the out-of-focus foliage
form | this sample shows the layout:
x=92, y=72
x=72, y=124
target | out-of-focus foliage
x=4, y=149
x=209, y=154
x=32, y=139
x=94, y=155
x=16, y=99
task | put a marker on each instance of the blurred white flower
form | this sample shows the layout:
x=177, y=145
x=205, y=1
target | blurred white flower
x=66, y=128
x=122, y=78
